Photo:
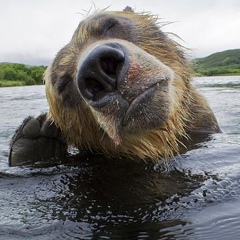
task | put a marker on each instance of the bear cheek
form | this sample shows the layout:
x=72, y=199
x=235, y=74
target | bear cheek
x=145, y=71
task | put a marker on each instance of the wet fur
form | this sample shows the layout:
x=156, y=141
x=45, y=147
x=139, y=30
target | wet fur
x=187, y=112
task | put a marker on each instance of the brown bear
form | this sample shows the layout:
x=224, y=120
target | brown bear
x=121, y=87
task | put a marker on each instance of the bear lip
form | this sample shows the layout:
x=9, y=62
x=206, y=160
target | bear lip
x=142, y=98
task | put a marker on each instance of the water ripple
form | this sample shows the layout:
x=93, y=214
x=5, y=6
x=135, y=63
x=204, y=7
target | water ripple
x=196, y=197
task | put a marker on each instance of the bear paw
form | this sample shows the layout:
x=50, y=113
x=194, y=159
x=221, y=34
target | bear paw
x=36, y=139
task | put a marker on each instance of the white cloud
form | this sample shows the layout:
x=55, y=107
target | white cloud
x=38, y=29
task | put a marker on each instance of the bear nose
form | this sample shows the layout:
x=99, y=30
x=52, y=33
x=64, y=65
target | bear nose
x=100, y=72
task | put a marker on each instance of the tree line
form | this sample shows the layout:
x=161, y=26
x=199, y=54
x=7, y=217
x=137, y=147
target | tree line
x=217, y=71
x=220, y=63
x=29, y=75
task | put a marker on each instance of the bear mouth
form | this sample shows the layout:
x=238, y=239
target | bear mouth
x=121, y=117
x=137, y=107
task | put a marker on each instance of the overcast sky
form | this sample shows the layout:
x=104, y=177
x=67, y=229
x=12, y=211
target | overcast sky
x=32, y=31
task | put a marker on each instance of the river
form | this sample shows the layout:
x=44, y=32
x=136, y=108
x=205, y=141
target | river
x=196, y=197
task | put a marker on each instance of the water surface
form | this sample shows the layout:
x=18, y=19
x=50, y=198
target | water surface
x=196, y=197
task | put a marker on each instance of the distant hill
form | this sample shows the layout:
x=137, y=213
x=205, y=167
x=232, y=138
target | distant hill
x=220, y=63
x=16, y=74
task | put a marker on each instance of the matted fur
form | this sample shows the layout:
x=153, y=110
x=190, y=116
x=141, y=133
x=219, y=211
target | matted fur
x=88, y=129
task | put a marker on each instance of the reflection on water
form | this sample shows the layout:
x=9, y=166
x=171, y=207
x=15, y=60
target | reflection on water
x=196, y=197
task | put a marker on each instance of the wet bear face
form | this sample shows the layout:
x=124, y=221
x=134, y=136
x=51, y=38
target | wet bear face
x=124, y=85
x=120, y=86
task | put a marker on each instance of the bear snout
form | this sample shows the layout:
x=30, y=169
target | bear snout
x=100, y=72
x=121, y=83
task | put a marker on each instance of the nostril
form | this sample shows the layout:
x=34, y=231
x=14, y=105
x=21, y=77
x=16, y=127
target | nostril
x=94, y=89
x=100, y=73
x=109, y=66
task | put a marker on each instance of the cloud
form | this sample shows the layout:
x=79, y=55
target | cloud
x=36, y=29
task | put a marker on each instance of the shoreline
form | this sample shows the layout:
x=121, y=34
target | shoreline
x=8, y=83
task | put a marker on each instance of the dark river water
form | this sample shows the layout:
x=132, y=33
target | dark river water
x=196, y=197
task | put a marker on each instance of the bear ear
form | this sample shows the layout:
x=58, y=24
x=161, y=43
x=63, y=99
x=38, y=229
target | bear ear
x=128, y=9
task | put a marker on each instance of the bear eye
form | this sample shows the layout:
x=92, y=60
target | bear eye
x=108, y=25
x=63, y=82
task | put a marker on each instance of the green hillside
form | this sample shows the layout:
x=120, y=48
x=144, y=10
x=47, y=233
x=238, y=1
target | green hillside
x=16, y=74
x=220, y=63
